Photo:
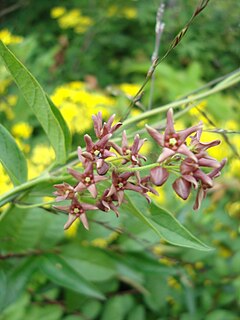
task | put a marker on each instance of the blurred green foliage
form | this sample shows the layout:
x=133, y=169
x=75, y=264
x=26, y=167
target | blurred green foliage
x=45, y=273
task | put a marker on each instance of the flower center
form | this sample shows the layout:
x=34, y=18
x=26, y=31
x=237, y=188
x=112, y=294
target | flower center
x=76, y=210
x=172, y=141
x=96, y=152
x=87, y=179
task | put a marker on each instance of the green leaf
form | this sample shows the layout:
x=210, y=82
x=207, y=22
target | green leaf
x=62, y=273
x=86, y=259
x=47, y=312
x=12, y=158
x=47, y=114
x=127, y=272
x=13, y=283
x=117, y=307
x=65, y=129
x=164, y=224
x=30, y=228
x=137, y=313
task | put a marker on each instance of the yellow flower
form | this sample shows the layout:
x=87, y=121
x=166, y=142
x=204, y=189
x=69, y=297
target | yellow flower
x=161, y=199
x=42, y=154
x=72, y=231
x=173, y=283
x=4, y=84
x=22, y=130
x=57, y=12
x=23, y=146
x=198, y=112
x=129, y=88
x=41, y=157
x=83, y=25
x=12, y=99
x=5, y=182
x=77, y=105
x=126, y=12
x=231, y=125
x=112, y=11
x=166, y=261
x=225, y=252
x=74, y=19
x=129, y=12
x=199, y=265
x=100, y=242
x=233, y=209
x=7, y=38
x=76, y=85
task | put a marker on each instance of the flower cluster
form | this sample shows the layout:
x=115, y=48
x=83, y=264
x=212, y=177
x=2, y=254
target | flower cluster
x=109, y=169
x=188, y=159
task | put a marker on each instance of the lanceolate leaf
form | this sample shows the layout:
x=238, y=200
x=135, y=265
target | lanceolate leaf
x=46, y=113
x=60, y=272
x=12, y=158
x=14, y=281
x=164, y=224
x=64, y=127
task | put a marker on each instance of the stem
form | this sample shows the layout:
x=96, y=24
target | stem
x=28, y=206
x=178, y=103
x=116, y=159
x=12, y=194
x=148, y=166
x=158, y=31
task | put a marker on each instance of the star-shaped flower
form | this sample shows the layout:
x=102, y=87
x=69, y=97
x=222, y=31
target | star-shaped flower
x=64, y=191
x=103, y=129
x=173, y=142
x=87, y=180
x=76, y=210
x=130, y=152
x=120, y=183
x=202, y=191
x=106, y=203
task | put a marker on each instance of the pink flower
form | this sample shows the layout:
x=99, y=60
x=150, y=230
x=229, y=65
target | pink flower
x=76, y=210
x=106, y=202
x=97, y=152
x=87, y=180
x=101, y=129
x=64, y=191
x=202, y=191
x=130, y=152
x=173, y=142
x=120, y=183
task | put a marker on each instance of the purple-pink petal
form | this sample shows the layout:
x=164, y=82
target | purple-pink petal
x=159, y=175
x=166, y=153
x=84, y=220
x=183, y=149
x=182, y=188
x=169, y=126
x=158, y=137
x=183, y=134
x=71, y=219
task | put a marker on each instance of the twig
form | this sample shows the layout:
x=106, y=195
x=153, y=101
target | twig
x=123, y=231
x=202, y=5
x=158, y=30
x=222, y=132
x=26, y=254
x=13, y=8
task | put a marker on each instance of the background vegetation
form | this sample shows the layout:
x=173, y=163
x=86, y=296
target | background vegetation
x=91, y=56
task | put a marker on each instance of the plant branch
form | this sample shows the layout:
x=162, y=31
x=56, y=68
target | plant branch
x=174, y=104
x=158, y=31
x=202, y=5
